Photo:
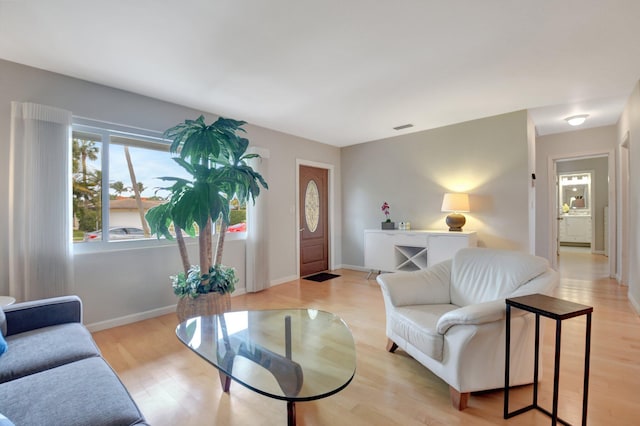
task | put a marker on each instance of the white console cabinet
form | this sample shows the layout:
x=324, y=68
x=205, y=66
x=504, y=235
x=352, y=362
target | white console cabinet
x=395, y=250
x=575, y=229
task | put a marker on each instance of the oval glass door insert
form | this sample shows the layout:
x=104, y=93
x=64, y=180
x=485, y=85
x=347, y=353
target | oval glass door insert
x=312, y=206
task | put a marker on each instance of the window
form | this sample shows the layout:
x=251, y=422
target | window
x=86, y=185
x=129, y=166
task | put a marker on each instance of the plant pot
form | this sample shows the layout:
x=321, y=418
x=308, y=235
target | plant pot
x=204, y=304
x=388, y=225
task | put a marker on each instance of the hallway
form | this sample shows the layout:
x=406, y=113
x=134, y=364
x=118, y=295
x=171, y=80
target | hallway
x=580, y=263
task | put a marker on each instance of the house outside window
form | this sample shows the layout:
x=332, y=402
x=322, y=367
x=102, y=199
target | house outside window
x=116, y=180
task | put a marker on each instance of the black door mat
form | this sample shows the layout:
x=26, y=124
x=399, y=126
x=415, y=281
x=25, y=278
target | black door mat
x=322, y=276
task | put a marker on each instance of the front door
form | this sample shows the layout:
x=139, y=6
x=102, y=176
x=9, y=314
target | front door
x=314, y=221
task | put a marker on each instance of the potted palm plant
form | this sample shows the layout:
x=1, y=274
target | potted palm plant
x=215, y=157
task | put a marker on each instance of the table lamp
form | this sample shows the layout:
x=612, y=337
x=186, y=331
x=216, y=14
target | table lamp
x=455, y=203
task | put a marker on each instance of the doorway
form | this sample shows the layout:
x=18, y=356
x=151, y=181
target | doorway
x=313, y=217
x=578, y=212
x=584, y=203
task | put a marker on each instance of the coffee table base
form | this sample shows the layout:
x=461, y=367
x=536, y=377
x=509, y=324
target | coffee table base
x=225, y=381
x=291, y=413
x=253, y=339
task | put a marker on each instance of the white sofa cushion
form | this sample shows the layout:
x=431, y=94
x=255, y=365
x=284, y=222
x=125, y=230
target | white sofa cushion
x=417, y=324
x=482, y=275
x=426, y=287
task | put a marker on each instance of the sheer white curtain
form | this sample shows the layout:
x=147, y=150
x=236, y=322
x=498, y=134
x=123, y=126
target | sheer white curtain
x=257, y=269
x=40, y=252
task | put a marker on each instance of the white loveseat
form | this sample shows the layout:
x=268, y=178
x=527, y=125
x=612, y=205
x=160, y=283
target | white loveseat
x=450, y=317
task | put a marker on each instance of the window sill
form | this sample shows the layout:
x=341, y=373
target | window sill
x=126, y=245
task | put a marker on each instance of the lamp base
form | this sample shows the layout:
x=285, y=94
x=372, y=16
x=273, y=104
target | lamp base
x=456, y=221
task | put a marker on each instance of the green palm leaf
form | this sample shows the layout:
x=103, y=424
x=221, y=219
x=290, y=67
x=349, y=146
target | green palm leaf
x=215, y=157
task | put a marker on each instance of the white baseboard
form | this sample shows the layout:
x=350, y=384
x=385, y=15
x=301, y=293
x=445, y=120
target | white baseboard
x=356, y=268
x=141, y=316
x=634, y=302
x=283, y=280
x=128, y=319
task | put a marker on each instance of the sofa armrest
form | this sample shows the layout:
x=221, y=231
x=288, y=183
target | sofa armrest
x=427, y=287
x=478, y=313
x=36, y=314
x=495, y=310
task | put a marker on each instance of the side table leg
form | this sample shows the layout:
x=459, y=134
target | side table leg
x=536, y=362
x=556, y=374
x=507, y=357
x=587, y=357
x=291, y=413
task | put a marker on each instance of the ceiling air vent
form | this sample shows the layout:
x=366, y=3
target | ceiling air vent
x=404, y=126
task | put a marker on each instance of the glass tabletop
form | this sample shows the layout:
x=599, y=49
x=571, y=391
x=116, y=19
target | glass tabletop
x=311, y=358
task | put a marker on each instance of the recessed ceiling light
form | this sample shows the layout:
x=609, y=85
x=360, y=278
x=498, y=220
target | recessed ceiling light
x=576, y=120
x=404, y=126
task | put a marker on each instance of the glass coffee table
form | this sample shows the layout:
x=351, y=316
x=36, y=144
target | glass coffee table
x=288, y=354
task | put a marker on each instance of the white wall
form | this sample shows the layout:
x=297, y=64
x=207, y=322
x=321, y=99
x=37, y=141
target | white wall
x=599, y=140
x=130, y=281
x=531, y=152
x=630, y=123
x=487, y=158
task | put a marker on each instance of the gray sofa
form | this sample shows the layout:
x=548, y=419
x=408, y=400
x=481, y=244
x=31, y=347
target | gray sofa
x=52, y=372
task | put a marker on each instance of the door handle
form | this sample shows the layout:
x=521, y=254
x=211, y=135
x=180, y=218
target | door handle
x=301, y=229
x=560, y=218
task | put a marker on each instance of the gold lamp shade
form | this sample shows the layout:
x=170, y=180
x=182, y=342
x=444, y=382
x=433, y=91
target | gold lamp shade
x=455, y=203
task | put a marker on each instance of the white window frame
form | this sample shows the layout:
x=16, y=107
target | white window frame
x=106, y=131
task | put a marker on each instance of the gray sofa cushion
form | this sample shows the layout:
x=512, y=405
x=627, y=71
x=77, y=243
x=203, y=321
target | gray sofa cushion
x=45, y=348
x=3, y=322
x=86, y=392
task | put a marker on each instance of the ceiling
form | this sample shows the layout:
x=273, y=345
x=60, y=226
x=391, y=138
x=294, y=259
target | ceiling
x=343, y=72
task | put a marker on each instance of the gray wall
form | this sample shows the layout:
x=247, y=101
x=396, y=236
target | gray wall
x=488, y=158
x=111, y=284
x=599, y=189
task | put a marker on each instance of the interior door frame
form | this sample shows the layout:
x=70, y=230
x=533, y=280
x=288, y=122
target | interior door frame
x=331, y=202
x=552, y=193
x=622, y=273
x=592, y=174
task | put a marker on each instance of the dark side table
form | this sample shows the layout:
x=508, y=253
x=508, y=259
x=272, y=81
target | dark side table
x=558, y=310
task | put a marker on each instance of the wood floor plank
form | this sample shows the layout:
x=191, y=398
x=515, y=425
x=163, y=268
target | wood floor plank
x=174, y=386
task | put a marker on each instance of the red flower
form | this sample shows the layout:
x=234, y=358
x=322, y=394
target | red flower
x=385, y=209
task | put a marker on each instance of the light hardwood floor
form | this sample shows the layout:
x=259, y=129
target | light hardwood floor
x=173, y=386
